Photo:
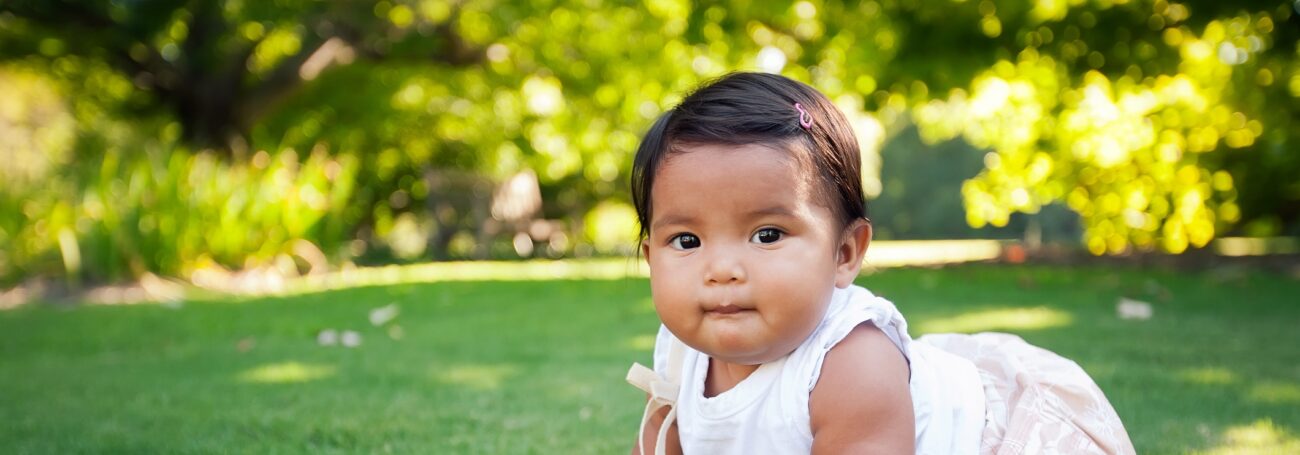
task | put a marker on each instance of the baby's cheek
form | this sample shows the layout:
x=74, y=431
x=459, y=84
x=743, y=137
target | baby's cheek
x=804, y=306
x=674, y=308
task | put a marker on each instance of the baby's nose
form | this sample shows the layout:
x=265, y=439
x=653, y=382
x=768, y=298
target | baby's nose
x=725, y=269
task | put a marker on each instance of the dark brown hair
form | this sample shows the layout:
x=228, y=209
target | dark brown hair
x=758, y=108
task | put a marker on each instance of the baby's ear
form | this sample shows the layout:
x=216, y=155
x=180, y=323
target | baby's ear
x=645, y=250
x=852, y=248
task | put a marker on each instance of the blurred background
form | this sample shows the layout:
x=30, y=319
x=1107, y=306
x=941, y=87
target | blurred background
x=172, y=137
x=405, y=226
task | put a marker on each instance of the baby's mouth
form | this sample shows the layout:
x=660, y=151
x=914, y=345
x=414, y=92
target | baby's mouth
x=727, y=309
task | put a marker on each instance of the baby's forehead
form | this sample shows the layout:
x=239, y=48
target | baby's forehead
x=765, y=171
x=789, y=154
x=713, y=161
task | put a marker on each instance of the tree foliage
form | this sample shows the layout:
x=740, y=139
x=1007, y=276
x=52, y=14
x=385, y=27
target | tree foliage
x=1162, y=124
x=1159, y=127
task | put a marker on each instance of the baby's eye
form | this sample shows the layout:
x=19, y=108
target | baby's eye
x=766, y=235
x=684, y=242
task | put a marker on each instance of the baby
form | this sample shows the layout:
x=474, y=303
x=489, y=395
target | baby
x=754, y=226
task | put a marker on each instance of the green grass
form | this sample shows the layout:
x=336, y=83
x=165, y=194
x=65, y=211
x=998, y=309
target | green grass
x=537, y=366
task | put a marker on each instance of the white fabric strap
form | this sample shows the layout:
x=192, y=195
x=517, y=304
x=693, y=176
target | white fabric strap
x=663, y=392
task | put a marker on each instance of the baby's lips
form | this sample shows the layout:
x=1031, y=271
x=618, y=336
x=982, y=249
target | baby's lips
x=726, y=308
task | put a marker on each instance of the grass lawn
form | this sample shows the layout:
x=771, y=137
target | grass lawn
x=537, y=366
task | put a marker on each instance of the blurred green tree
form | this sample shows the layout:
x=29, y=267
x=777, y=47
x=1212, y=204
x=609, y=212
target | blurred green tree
x=220, y=67
x=1162, y=124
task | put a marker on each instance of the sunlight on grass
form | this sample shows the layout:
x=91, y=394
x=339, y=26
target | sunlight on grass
x=477, y=376
x=1276, y=392
x=1003, y=319
x=1261, y=437
x=1255, y=246
x=1208, y=376
x=534, y=270
x=286, y=372
x=641, y=342
x=930, y=252
x=647, y=304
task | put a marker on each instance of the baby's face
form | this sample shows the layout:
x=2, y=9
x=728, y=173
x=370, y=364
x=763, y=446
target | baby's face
x=742, y=256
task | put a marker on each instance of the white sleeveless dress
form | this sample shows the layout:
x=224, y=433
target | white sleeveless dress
x=767, y=412
x=986, y=393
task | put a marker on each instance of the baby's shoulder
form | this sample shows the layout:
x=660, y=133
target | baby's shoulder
x=863, y=384
x=863, y=359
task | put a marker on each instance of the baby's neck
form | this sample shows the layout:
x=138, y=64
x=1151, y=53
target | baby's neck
x=724, y=375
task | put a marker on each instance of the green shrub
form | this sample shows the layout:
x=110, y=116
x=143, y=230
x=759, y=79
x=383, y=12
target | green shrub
x=173, y=212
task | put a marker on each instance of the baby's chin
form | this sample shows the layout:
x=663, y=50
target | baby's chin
x=743, y=344
x=746, y=353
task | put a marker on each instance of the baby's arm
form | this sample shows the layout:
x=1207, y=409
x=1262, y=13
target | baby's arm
x=672, y=444
x=861, y=403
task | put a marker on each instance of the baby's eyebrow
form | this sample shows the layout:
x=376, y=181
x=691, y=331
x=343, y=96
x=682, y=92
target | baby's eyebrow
x=676, y=219
x=776, y=210
x=671, y=219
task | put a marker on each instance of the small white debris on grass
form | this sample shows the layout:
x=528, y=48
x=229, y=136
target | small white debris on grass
x=327, y=337
x=351, y=339
x=384, y=314
x=1133, y=309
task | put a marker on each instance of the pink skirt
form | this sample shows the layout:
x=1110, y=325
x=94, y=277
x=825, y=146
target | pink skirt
x=1036, y=401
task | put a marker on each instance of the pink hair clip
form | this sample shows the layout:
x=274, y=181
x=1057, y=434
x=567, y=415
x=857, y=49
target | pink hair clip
x=805, y=119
